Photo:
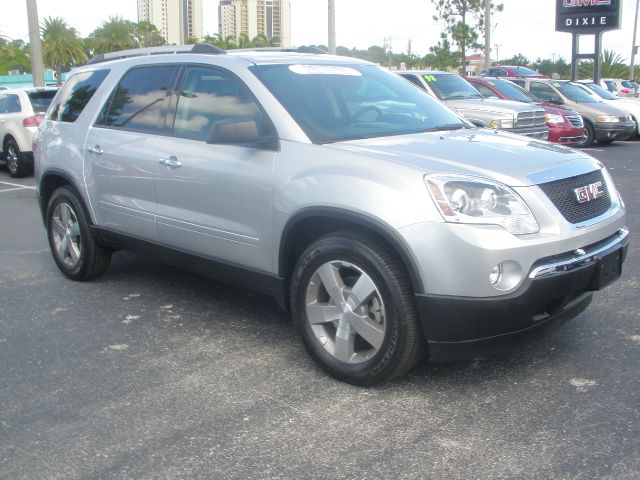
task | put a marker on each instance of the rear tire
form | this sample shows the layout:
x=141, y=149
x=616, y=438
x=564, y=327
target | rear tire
x=75, y=251
x=15, y=160
x=355, y=309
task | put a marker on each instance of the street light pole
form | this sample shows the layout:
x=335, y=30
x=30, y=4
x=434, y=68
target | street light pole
x=632, y=75
x=487, y=33
x=37, y=70
x=332, y=27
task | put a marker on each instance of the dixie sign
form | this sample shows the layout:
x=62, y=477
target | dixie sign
x=587, y=16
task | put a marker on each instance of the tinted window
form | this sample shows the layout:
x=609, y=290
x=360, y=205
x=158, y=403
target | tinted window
x=574, y=92
x=543, y=91
x=450, y=86
x=484, y=90
x=10, y=104
x=626, y=84
x=208, y=95
x=611, y=86
x=520, y=83
x=413, y=79
x=600, y=91
x=498, y=72
x=41, y=99
x=333, y=103
x=74, y=96
x=139, y=101
x=511, y=91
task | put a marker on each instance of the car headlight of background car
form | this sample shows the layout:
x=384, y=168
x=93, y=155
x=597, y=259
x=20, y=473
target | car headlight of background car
x=504, y=123
x=464, y=199
x=608, y=118
x=553, y=118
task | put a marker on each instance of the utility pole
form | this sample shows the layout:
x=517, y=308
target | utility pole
x=37, y=70
x=497, y=53
x=487, y=33
x=632, y=75
x=332, y=27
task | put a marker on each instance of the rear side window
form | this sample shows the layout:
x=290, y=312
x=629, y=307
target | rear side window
x=139, y=101
x=40, y=100
x=10, y=104
x=74, y=96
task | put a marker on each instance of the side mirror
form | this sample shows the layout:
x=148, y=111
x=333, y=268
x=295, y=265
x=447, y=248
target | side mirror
x=242, y=131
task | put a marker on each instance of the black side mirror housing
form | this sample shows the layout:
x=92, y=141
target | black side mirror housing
x=241, y=131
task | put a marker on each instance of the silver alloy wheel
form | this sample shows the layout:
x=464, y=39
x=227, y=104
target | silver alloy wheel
x=346, y=312
x=11, y=158
x=65, y=231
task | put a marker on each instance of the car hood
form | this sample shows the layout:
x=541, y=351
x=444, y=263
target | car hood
x=511, y=159
x=491, y=104
x=556, y=109
x=629, y=106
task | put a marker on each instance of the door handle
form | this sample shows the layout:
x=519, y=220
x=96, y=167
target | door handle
x=171, y=162
x=96, y=150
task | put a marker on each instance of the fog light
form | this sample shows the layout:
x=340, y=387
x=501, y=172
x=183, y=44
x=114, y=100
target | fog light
x=496, y=274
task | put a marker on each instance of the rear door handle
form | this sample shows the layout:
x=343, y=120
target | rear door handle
x=96, y=150
x=171, y=162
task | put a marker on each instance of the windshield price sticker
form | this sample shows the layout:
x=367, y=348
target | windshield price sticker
x=492, y=84
x=324, y=70
x=556, y=84
x=430, y=78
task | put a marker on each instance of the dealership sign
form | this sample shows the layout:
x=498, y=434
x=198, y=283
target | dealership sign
x=587, y=16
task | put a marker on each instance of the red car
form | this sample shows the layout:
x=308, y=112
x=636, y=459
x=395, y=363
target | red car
x=511, y=71
x=565, y=126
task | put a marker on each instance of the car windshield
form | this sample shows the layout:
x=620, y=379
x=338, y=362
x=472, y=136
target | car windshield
x=448, y=86
x=512, y=91
x=40, y=100
x=332, y=103
x=601, y=92
x=574, y=93
x=523, y=71
x=627, y=84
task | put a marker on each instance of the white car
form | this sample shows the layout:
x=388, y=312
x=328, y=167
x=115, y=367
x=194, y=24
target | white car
x=632, y=107
x=21, y=111
x=619, y=87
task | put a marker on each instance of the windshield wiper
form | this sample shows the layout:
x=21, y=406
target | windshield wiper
x=450, y=126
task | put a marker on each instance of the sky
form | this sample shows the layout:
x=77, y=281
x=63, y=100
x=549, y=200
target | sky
x=524, y=26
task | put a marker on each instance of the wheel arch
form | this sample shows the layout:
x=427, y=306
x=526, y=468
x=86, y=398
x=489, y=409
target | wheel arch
x=50, y=181
x=310, y=223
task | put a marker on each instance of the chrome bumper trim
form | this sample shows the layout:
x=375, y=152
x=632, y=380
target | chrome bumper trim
x=580, y=259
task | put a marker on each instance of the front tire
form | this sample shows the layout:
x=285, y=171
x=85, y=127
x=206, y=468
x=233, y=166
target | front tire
x=355, y=310
x=75, y=251
x=591, y=136
x=15, y=160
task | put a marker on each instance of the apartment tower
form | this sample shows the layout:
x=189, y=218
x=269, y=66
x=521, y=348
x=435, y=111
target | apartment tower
x=176, y=20
x=272, y=18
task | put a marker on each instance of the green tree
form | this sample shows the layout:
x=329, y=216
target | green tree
x=518, y=59
x=613, y=66
x=553, y=68
x=14, y=55
x=464, y=22
x=216, y=39
x=61, y=45
x=260, y=40
x=146, y=34
x=244, y=41
x=113, y=35
x=275, y=42
x=440, y=56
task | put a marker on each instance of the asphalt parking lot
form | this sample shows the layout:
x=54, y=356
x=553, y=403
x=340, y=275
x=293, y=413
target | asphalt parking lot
x=151, y=372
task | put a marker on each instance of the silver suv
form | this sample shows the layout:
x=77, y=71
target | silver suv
x=382, y=220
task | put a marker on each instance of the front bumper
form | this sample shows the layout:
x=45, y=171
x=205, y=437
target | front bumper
x=614, y=131
x=566, y=135
x=557, y=289
x=538, y=132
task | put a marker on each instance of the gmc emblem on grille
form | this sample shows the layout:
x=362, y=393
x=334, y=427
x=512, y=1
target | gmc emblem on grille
x=588, y=192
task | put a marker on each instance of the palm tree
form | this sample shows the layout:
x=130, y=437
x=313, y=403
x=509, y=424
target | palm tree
x=216, y=39
x=114, y=34
x=613, y=66
x=244, y=41
x=260, y=40
x=60, y=45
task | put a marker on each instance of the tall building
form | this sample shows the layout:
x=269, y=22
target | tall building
x=272, y=18
x=176, y=20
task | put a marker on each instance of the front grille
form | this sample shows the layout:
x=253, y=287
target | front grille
x=533, y=118
x=576, y=121
x=561, y=193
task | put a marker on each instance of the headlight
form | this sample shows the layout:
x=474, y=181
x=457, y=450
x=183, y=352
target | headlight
x=552, y=118
x=463, y=199
x=607, y=118
x=498, y=124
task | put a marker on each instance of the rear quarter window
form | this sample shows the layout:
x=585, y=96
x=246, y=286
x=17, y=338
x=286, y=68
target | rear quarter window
x=75, y=94
x=139, y=102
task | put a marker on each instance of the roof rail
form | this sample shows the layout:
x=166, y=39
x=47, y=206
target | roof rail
x=138, y=52
x=314, y=50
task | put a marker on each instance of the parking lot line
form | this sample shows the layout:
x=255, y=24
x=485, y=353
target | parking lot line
x=3, y=190
x=15, y=185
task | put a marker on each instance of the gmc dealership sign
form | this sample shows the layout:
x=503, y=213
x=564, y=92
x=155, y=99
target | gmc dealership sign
x=587, y=16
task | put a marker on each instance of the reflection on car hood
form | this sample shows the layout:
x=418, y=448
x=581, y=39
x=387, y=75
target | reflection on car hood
x=508, y=158
x=490, y=104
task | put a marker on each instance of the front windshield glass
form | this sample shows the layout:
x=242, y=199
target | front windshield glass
x=512, y=91
x=450, y=86
x=600, y=91
x=332, y=103
x=626, y=84
x=574, y=93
